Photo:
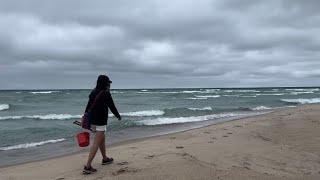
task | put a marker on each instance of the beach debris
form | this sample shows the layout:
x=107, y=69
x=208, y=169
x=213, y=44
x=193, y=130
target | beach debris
x=206, y=132
x=172, y=138
x=185, y=154
x=122, y=163
x=179, y=147
x=149, y=157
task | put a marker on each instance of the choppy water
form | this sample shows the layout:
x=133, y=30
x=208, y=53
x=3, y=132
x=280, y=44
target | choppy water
x=35, y=119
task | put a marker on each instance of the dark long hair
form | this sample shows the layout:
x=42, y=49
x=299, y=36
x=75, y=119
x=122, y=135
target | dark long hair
x=103, y=82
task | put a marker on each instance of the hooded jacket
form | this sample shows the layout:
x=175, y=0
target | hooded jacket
x=99, y=111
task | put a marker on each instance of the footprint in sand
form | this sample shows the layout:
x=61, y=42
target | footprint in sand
x=124, y=170
x=60, y=178
x=229, y=133
x=179, y=147
x=210, y=142
x=213, y=138
x=225, y=136
x=206, y=132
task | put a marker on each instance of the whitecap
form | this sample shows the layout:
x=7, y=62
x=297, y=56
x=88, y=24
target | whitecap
x=201, y=109
x=43, y=92
x=44, y=117
x=144, y=113
x=197, y=98
x=302, y=92
x=274, y=94
x=31, y=144
x=302, y=101
x=259, y=108
x=160, y=121
x=4, y=107
x=210, y=96
x=191, y=91
x=243, y=91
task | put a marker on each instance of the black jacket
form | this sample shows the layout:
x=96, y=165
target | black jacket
x=99, y=111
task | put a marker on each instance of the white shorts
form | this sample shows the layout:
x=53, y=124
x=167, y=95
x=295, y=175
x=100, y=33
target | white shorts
x=98, y=128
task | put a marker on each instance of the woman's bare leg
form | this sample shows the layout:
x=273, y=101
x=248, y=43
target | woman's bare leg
x=103, y=147
x=96, y=144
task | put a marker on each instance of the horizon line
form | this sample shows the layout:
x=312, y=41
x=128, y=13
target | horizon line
x=253, y=87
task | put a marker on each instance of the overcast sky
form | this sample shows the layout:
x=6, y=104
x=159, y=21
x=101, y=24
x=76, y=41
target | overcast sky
x=159, y=43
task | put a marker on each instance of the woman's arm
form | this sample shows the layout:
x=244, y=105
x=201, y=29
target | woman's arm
x=111, y=105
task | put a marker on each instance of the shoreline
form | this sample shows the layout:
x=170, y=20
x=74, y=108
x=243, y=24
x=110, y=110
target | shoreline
x=271, y=145
x=139, y=139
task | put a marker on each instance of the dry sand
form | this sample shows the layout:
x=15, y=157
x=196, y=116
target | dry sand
x=279, y=145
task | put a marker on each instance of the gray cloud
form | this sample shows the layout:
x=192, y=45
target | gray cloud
x=67, y=44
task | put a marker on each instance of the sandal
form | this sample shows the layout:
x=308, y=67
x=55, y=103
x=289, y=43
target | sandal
x=107, y=161
x=89, y=170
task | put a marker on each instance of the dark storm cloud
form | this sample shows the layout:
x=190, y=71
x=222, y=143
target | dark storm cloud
x=159, y=43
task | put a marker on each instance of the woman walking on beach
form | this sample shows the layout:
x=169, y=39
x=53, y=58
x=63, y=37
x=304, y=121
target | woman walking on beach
x=99, y=113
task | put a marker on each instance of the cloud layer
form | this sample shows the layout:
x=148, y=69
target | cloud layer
x=141, y=44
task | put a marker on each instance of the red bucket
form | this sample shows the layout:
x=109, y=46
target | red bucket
x=83, y=139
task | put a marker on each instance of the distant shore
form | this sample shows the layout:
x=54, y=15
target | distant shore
x=279, y=145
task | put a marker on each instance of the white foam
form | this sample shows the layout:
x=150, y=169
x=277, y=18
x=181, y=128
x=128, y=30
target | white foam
x=29, y=145
x=244, y=91
x=44, y=117
x=210, y=96
x=311, y=89
x=302, y=92
x=247, y=96
x=160, y=121
x=191, y=91
x=144, y=113
x=170, y=92
x=303, y=101
x=210, y=91
x=197, y=98
x=43, y=92
x=259, y=108
x=144, y=90
x=4, y=106
x=117, y=92
x=274, y=94
x=165, y=92
x=231, y=95
x=201, y=109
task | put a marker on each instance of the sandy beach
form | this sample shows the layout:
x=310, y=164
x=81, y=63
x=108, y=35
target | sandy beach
x=279, y=145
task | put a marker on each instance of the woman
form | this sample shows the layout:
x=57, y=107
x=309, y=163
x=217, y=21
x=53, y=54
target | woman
x=99, y=110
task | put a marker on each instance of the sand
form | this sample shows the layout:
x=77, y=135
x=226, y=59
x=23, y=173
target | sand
x=279, y=145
